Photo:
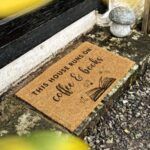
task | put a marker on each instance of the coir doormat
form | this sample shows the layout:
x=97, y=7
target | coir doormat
x=69, y=90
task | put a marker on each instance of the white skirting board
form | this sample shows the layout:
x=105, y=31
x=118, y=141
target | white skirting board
x=19, y=69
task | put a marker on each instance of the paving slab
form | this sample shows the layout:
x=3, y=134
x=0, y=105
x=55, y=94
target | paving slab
x=13, y=111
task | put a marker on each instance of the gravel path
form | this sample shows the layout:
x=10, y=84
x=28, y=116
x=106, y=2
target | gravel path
x=126, y=126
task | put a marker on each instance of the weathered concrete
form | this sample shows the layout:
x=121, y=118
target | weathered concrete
x=17, y=117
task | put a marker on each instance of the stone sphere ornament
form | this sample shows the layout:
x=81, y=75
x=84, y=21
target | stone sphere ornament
x=122, y=18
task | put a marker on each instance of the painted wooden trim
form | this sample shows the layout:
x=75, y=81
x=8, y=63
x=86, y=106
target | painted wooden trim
x=20, y=68
x=21, y=35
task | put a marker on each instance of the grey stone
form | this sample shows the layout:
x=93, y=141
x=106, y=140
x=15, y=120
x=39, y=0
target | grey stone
x=139, y=135
x=122, y=15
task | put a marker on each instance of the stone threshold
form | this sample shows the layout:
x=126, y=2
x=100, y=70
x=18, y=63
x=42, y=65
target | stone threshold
x=131, y=47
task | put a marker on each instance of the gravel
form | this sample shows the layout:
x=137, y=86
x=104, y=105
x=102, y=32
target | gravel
x=126, y=125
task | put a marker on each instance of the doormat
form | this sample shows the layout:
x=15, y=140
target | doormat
x=69, y=90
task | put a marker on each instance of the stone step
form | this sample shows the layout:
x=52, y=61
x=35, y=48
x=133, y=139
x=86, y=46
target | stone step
x=22, y=118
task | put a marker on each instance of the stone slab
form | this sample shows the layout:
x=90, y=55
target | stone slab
x=12, y=111
x=70, y=89
x=135, y=47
